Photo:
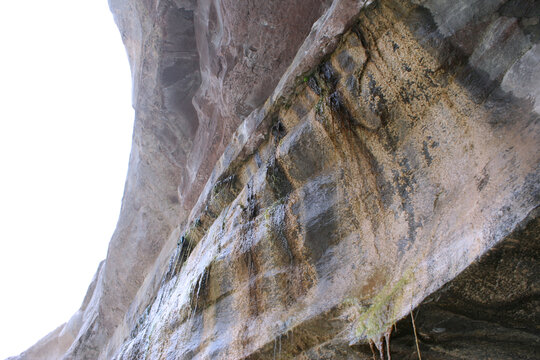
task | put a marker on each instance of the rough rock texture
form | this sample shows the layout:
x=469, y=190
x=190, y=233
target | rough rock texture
x=304, y=173
x=490, y=308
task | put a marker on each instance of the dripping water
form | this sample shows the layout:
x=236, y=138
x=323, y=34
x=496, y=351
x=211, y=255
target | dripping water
x=387, y=339
x=202, y=282
x=380, y=345
x=277, y=347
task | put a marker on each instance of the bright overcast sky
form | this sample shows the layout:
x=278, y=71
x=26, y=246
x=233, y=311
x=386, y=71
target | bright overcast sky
x=65, y=136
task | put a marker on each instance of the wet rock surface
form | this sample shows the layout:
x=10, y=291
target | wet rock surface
x=304, y=173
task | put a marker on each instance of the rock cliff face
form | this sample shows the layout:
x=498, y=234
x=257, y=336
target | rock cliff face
x=304, y=173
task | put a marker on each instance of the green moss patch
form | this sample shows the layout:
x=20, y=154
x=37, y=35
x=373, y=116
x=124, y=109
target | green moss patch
x=382, y=314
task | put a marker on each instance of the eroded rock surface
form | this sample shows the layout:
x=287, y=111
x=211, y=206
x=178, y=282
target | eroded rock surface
x=488, y=311
x=305, y=173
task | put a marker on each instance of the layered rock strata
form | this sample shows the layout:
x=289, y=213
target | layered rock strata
x=305, y=173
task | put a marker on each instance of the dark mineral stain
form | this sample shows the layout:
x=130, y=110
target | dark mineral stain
x=426, y=153
x=314, y=85
x=278, y=131
x=328, y=74
x=377, y=101
x=276, y=178
x=346, y=61
x=483, y=180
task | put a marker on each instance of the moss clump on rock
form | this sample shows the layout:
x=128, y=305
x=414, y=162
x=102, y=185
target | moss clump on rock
x=374, y=322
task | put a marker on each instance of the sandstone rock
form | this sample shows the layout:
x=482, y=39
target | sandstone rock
x=489, y=308
x=305, y=173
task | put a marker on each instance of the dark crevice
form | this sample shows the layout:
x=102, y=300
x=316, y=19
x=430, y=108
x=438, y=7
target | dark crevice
x=490, y=311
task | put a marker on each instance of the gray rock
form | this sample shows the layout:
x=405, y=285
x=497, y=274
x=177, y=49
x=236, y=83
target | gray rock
x=305, y=173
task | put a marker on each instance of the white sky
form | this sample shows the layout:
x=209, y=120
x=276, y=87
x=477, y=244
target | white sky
x=65, y=135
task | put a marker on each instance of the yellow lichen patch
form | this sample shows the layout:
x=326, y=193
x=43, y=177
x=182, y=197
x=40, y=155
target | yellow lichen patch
x=374, y=322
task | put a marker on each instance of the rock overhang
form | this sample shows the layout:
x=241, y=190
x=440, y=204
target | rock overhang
x=385, y=161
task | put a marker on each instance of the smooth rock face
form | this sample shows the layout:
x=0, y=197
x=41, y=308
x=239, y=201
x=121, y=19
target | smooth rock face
x=304, y=173
x=489, y=309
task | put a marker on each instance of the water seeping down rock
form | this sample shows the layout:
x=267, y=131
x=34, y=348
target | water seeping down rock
x=305, y=173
